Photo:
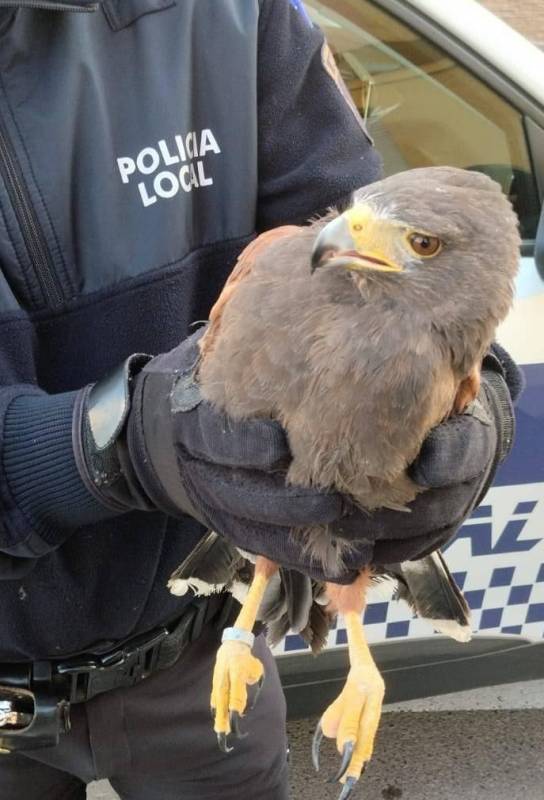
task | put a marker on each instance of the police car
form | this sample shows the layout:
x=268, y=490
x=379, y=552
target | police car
x=449, y=83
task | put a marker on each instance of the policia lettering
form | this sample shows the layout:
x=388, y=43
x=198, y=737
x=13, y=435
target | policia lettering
x=188, y=150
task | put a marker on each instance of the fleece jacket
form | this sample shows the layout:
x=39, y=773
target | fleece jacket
x=143, y=144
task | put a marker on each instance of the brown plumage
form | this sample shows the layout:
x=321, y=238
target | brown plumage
x=359, y=365
x=359, y=333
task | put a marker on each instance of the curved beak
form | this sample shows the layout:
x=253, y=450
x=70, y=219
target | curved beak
x=335, y=246
x=334, y=239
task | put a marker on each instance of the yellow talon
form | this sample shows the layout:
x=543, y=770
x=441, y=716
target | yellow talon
x=353, y=718
x=235, y=669
x=235, y=666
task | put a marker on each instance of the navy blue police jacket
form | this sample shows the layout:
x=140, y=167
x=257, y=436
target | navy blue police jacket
x=143, y=143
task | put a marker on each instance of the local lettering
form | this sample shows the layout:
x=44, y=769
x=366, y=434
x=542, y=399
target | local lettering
x=170, y=167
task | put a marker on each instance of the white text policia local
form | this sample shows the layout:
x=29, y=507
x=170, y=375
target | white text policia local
x=188, y=150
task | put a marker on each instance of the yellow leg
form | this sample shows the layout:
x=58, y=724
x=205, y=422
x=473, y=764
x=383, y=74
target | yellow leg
x=248, y=613
x=235, y=666
x=354, y=716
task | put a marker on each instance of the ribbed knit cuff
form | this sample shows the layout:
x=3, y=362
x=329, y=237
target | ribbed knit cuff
x=500, y=404
x=40, y=467
x=513, y=375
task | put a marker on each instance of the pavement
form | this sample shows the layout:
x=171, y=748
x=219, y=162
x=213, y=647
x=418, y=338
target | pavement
x=483, y=744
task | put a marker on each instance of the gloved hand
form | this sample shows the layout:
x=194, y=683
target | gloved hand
x=177, y=454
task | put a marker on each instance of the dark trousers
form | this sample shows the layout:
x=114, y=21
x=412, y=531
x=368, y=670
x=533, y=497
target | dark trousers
x=155, y=741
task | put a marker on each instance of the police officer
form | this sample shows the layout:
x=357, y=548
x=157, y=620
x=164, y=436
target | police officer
x=143, y=144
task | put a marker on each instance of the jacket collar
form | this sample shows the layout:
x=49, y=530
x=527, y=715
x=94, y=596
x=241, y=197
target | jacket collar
x=53, y=5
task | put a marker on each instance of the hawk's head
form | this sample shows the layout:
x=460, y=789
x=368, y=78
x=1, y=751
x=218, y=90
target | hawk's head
x=434, y=234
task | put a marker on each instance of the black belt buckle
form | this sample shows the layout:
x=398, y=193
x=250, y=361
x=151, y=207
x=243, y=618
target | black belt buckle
x=123, y=667
x=31, y=718
x=35, y=698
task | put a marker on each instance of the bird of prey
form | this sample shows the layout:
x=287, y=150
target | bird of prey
x=359, y=333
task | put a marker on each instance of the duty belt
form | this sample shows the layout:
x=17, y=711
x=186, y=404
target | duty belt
x=35, y=697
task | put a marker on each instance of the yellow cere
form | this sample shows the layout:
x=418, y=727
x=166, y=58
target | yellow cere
x=373, y=238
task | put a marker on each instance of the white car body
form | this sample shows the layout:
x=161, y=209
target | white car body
x=498, y=556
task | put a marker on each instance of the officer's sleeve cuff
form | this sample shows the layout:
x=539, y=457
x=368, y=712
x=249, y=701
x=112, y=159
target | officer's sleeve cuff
x=40, y=472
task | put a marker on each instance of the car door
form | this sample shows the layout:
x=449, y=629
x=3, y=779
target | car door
x=427, y=101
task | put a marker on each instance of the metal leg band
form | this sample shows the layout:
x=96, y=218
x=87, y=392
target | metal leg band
x=238, y=635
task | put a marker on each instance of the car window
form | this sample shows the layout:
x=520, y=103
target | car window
x=422, y=107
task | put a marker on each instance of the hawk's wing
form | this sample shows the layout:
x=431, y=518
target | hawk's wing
x=292, y=605
x=243, y=267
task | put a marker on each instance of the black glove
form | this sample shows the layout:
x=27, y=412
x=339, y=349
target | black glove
x=170, y=450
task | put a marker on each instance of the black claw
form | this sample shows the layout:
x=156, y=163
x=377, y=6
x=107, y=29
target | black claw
x=347, y=753
x=258, y=690
x=316, y=744
x=222, y=741
x=234, y=719
x=348, y=788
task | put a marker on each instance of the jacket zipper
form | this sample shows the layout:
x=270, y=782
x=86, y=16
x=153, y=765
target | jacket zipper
x=29, y=224
x=46, y=6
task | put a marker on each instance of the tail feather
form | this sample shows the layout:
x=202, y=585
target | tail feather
x=430, y=590
x=316, y=633
x=298, y=590
x=212, y=563
x=302, y=613
x=274, y=602
x=277, y=630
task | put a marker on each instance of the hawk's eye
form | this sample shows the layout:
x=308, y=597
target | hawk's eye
x=424, y=245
